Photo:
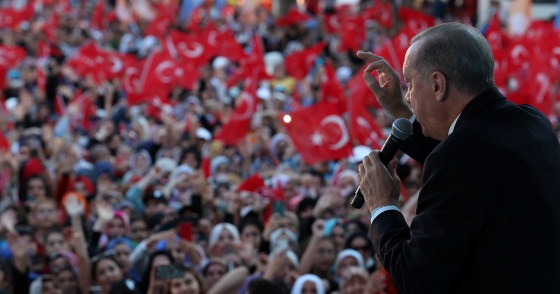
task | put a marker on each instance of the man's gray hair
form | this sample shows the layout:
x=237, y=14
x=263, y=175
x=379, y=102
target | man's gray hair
x=460, y=52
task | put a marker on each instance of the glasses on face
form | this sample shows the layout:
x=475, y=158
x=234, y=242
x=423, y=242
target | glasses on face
x=361, y=248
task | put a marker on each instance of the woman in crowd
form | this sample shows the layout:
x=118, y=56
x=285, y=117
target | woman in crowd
x=190, y=283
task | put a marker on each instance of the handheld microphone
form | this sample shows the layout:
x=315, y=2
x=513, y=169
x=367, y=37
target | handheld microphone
x=402, y=129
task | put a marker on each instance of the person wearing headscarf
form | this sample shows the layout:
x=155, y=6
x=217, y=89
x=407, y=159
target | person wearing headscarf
x=353, y=280
x=308, y=283
x=262, y=164
x=225, y=235
x=122, y=247
x=140, y=162
x=168, y=152
x=345, y=259
x=347, y=182
x=283, y=234
x=334, y=229
x=219, y=164
x=278, y=144
x=62, y=259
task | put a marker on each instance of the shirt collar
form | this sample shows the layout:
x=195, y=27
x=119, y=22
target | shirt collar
x=453, y=125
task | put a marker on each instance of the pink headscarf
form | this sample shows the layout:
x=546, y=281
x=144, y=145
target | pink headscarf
x=126, y=220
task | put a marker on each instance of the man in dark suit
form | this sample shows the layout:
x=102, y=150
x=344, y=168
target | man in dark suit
x=488, y=214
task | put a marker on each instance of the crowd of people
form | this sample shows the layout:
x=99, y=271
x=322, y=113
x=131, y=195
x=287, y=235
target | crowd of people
x=96, y=200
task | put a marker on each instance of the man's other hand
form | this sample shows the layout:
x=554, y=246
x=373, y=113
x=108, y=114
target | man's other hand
x=388, y=90
x=380, y=185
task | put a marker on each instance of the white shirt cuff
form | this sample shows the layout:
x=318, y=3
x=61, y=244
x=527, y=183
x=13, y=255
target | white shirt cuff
x=380, y=210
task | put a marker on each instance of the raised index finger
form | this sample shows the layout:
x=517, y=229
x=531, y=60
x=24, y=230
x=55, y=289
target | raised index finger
x=368, y=56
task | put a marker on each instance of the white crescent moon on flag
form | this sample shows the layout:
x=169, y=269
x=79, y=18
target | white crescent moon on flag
x=334, y=22
x=128, y=82
x=117, y=64
x=212, y=39
x=517, y=50
x=191, y=53
x=336, y=119
x=494, y=36
x=249, y=101
x=364, y=123
x=159, y=71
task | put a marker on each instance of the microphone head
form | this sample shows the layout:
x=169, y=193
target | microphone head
x=402, y=129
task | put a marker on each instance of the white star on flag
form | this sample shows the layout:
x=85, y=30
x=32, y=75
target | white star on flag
x=316, y=139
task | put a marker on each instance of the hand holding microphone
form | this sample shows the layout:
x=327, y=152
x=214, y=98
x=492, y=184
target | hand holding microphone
x=382, y=179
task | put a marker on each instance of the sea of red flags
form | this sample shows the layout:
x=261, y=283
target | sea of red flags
x=526, y=67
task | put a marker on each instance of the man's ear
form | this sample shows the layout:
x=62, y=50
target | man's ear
x=439, y=85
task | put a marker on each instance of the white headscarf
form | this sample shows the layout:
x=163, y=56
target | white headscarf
x=348, y=173
x=279, y=232
x=181, y=169
x=290, y=255
x=217, y=230
x=298, y=285
x=349, y=253
x=217, y=161
x=134, y=156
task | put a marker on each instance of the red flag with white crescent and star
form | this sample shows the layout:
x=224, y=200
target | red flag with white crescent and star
x=319, y=132
x=236, y=128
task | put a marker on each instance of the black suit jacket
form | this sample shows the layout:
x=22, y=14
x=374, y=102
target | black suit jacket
x=488, y=215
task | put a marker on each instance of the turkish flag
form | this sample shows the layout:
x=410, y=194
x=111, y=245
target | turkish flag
x=59, y=105
x=100, y=64
x=10, y=57
x=228, y=46
x=332, y=22
x=252, y=183
x=352, y=33
x=293, y=17
x=211, y=35
x=161, y=71
x=416, y=20
x=382, y=12
x=167, y=9
x=97, y=17
x=360, y=91
x=252, y=65
x=50, y=27
x=501, y=73
x=158, y=27
x=299, y=63
x=331, y=89
x=319, y=133
x=363, y=127
x=132, y=71
x=190, y=48
x=496, y=36
x=87, y=109
x=11, y=17
x=236, y=128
